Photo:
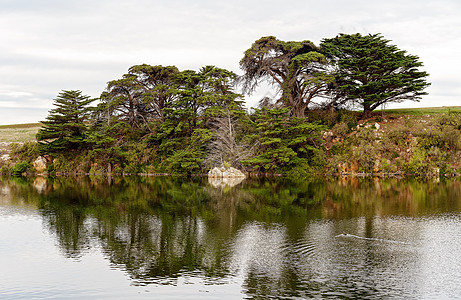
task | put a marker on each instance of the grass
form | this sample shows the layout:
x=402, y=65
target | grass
x=422, y=110
x=18, y=133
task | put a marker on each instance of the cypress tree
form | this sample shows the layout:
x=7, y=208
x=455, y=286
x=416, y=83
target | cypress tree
x=65, y=128
x=371, y=72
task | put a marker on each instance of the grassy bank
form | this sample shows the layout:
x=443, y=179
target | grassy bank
x=421, y=111
x=412, y=141
x=18, y=133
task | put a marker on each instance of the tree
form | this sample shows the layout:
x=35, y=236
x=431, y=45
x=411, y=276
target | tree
x=371, y=72
x=225, y=147
x=298, y=69
x=123, y=99
x=283, y=142
x=158, y=85
x=201, y=97
x=65, y=126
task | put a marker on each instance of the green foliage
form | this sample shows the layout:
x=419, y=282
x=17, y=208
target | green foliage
x=4, y=170
x=398, y=136
x=161, y=119
x=189, y=158
x=65, y=126
x=25, y=152
x=371, y=72
x=443, y=132
x=184, y=161
x=283, y=142
x=297, y=68
x=136, y=156
x=19, y=168
x=340, y=129
x=348, y=117
x=418, y=164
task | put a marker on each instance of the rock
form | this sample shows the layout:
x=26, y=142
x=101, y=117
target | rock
x=377, y=166
x=377, y=126
x=225, y=173
x=328, y=134
x=5, y=157
x=40, y=164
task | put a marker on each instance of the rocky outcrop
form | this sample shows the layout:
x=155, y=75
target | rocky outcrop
x=40, y=164
x=225, y=173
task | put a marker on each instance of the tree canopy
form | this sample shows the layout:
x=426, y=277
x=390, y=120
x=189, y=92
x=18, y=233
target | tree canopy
x=296, y=68
x=371, y=72
x=161, y=119
x=65, y=125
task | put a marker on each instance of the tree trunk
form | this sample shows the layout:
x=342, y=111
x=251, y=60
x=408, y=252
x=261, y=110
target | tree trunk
x=366, y=111
x=299, y=111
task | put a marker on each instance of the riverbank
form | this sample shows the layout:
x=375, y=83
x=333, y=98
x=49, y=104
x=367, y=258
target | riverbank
x=398, y=144
x=417, y=142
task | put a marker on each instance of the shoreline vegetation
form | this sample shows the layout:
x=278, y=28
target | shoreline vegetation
x=324, y=118
x=391, y=143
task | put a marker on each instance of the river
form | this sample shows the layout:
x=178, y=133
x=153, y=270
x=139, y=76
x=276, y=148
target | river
x=178, y=237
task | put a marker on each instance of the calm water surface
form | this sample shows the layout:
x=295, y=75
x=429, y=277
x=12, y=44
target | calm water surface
x=179, y=238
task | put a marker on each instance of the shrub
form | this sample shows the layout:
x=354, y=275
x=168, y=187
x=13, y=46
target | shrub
x=387, y=166
x=445, y=137
x=25, y=152
x=349, y=118
x=340, y=129
x=418, y=164
x=19, y=168
x=4, y=170
x=398, y=136
x=365, y=155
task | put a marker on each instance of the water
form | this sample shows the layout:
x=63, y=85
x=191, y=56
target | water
x=177, y=238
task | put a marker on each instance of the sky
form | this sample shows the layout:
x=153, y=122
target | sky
x=47, y=46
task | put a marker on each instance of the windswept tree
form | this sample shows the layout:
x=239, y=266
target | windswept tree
x=371, y=72
x=123, y=99
x=203, y=94
x=158, y=85
x=297, y=69
x=65, y=128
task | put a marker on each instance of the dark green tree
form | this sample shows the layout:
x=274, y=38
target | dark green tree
x=158, y=85
x=371, y=72
x=284, y=142
x=65, y=126
x=185, y=133
x=298, y=70
x=123, y=99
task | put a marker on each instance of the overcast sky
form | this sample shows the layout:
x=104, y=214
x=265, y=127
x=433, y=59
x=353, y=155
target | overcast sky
x=51, y=45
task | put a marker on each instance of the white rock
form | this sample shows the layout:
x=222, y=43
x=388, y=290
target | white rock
x=40, y=164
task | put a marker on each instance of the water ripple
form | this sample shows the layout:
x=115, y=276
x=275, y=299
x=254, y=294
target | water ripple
x=347, y=235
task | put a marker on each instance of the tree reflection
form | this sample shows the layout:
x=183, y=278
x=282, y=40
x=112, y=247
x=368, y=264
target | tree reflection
x=276, y=234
